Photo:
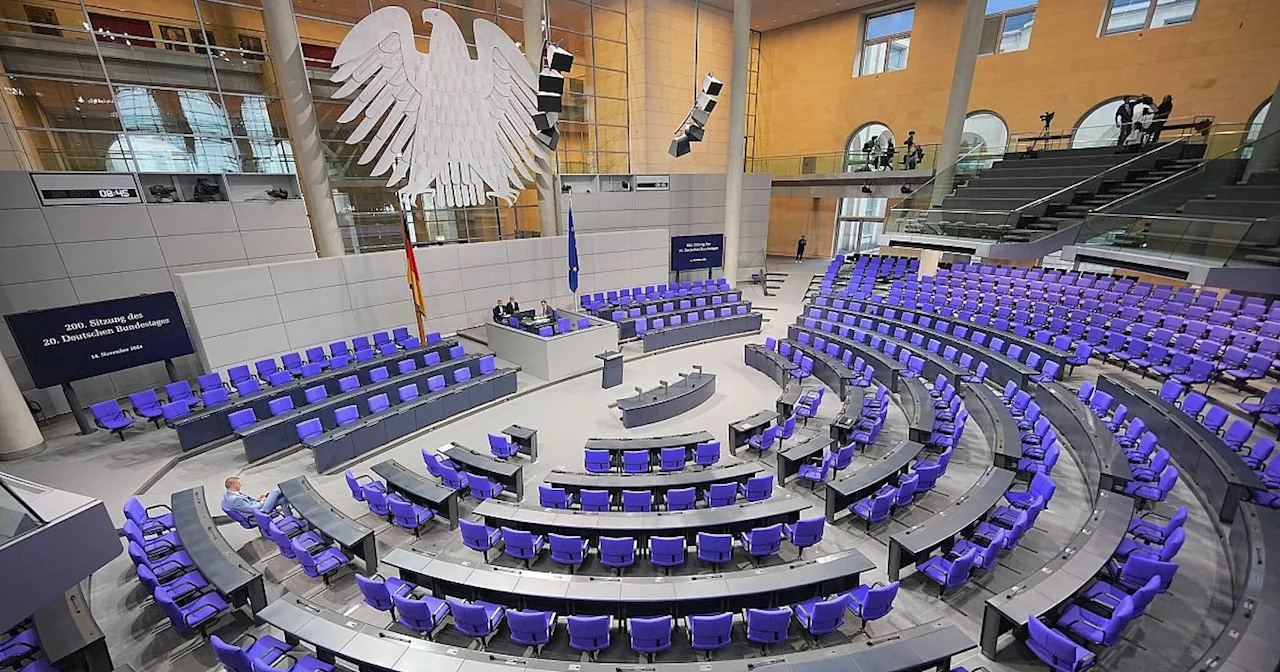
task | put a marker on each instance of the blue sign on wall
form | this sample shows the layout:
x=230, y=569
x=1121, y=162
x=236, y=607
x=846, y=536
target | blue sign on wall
x=692, y=252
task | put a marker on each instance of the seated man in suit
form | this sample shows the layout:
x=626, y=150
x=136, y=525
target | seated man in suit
x=546, y=310
x=512, y=306
x=234, y=499
x=498, y=311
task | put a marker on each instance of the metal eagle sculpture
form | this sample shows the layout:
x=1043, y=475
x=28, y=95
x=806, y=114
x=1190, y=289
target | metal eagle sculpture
x=459, y=128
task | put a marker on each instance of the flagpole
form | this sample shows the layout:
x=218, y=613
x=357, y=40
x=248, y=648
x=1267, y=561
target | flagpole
x=411, y=270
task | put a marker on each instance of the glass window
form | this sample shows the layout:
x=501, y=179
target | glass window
x=1255, y=128
x=866, y=145
x=1124, y=16
x=1008, y=26
x=887, y=41
x=58, y=104
x=1098, y=128
x=985, y=132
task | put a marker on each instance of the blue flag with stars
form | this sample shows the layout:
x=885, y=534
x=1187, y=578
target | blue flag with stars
x=573, y=254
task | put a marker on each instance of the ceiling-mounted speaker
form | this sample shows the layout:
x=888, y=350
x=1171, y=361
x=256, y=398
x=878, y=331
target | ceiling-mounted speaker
x=550, y=138
x=550, y=81
x=545, y=120
x=558, y=59
x=695, y=133
x=679, y=146
x=699, y=117
x=550, y=102
x=706, y=103
x=711, y=86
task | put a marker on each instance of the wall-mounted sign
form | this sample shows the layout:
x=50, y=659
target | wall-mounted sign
x=70, y=343
x=693, y=252
x=85, y=188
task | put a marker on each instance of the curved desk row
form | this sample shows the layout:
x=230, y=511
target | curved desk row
x=791, y=458
x=741, y=431
x=658, y=482
x=1047, y=352
x=920, y=411
x=373, y=431
x=841, y=427
x=913, y=545
x=1095, y=446
x=509, y=474
x=369, y=647
x=702, y=330
x=1001, y=368
x=627, y=326
x=1061, y=578
x=668, y=401
x=1200, y=453
x=272, y=434
x=1249, y=642
x=996, y=423
x=768, y=362
x=828, y=369
x=887, y=370
x=231, y=574
x=934, y=364
x=782, y=507
x=353, y=537
x=211, y=424
x=861, y=483
x=417, y=489
x=726, y=296
x=625, y=597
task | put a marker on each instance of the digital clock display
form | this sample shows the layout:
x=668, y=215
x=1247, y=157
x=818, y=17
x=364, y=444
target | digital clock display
x=57, y=194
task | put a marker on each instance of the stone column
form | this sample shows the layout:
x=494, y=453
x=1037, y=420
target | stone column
x=1266, y=152
x=548, y=216
x=975, y=12
x=737, y=129
x=304, y=131
x=19, y=435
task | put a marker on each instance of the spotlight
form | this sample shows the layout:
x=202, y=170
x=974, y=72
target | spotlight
x=693, y=128
x=278, y=193
x=905, y=189
x=866, y=189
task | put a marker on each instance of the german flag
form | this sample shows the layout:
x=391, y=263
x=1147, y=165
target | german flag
x=415, y=285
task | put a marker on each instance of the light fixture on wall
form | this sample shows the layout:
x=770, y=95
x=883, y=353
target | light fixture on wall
x=694, y=127
x=867, y=190
x=555, y=63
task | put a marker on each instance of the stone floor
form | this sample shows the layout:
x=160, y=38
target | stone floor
x=1179, y=624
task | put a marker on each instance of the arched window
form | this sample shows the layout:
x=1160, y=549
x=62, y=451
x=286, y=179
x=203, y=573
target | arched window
x=1098, y=127
x=854, y=158
x=1255, y=128
x=986, y=130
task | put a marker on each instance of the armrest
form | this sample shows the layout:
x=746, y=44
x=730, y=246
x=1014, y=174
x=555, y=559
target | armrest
x=187, y=618
x=19, y=654
x=159, y=506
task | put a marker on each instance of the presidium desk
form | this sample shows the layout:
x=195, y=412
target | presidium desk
x=667, y=401
x=554, y=357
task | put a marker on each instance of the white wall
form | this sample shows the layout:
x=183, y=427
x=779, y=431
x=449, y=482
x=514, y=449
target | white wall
x=694, y=205
x=237, y=316
x=64, y=255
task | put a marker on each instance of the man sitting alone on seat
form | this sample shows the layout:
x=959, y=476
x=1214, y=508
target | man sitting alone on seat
x=238, y=501
x=546, y=310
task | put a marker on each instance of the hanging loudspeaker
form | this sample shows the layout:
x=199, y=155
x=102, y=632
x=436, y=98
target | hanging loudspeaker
x=549, y=102
x=711, y=86
x=558, y=59
x=550, y=81
x=679, y=147
x=695, y=133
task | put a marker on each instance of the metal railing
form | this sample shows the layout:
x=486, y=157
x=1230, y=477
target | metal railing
x=839, y=162
x=1092, y=136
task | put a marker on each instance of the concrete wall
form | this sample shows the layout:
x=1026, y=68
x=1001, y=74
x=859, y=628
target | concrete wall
x=237, y=316
x=64, y=255
x=1222, y=63
x=694, y=205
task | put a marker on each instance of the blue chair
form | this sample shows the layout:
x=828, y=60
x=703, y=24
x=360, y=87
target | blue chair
x=710, y=631
x=1056, y=649
x=666, y=552
x=377, y=591
x=673, y=459
x=589, y=633
x=357, y=486
x=484, y=488
x=817, y=473
x=757, y=488
x=768, y=626
x=651, y=635
x=594, y=500
x=869, y=603
x=109, y=416
x=637, y=500
x=531, y=628
x=522, y=545
x=764, y=440
x=567, y=550
x=501, y=447
x=554, y=498
x=805, y=532
x=876, y=508
x=617, y=552
x=707, y=454
x=142, y=517
x=820, y=616
x=682, y=499
x=264, y=649
x=715, y=548
x=376, y=498
x=635, y=462
x=478, y=620
x=949, y=573
x=323, y=563
x=722, y=494
x=761, y=542
x=479, y=537
x=147, y=405
x=408, y=515
x=597, y=461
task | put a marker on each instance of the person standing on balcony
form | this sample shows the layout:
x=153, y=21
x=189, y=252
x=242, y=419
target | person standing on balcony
x=1124, y=119
x=1144, y=116
x=1163, y=110
x=889, y=151
x=909, y=151
x=800, y=249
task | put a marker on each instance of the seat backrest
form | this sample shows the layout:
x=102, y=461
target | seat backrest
x=722, y=494
x=407, y=392
x=565, y=548
x=759, y=487
x=474, y=535
x=280, y=405
x=346, y=415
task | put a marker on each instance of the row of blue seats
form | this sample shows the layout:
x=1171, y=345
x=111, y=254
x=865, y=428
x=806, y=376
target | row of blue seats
x=452, y=475
x=671, y=307
x=1153, y=473
x=20, y=650
x=418, y=611
x=626, y=295
x=755, y=489
x=388, y=505
x=644, y=326
x=664, y=552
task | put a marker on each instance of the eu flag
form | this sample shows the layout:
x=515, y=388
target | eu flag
x=573, y=254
